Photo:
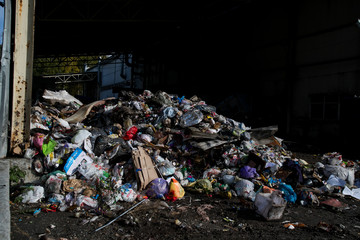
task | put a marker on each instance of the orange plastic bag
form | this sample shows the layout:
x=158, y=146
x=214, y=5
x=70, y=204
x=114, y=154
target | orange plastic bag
x=175, y=189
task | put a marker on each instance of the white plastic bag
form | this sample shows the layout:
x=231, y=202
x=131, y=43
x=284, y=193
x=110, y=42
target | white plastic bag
x=166, y=168
x=270, y=205
x=245, y=188
x=34, y=195
x=347, y=174
x=80, y=136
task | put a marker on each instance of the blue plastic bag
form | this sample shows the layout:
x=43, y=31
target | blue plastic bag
x=157, y=188
x=288, y=192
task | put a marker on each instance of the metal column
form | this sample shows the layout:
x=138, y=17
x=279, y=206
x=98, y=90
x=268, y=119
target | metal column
x=23, y=68
x=5, y=81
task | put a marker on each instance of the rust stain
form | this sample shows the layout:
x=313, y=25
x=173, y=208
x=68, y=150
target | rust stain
x=20, y=6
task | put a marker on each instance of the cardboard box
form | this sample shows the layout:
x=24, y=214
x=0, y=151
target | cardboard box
x=75, y=160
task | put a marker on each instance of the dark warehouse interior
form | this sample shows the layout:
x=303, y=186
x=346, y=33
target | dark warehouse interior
x=294, y=64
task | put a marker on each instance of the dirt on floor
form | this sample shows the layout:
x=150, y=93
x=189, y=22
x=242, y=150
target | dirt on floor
x=195, y=216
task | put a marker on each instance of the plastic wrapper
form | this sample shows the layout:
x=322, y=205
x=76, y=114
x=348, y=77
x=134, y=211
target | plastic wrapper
x=211, y=173
x=92, y=170
x=56, y=198
x=191, y=118
x=83, y=201
x=30, y=153
x=355, y=193
x=145, y=137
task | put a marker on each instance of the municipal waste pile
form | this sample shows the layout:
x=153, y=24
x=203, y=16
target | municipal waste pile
x=160, y=146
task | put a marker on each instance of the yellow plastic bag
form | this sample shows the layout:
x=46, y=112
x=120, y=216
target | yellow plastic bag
x=175, y=189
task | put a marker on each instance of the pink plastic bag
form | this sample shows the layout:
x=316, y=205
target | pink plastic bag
x=38, y=140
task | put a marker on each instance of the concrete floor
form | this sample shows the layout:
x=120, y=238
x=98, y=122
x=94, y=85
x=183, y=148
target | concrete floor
x=4, y=199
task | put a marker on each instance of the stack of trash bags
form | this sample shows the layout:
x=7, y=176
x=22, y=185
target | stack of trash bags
x=98, y=155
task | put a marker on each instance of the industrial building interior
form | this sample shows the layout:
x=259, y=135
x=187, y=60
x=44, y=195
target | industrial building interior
x=294, y=64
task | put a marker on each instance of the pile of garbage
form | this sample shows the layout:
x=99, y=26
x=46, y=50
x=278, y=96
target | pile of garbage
x=98, y=155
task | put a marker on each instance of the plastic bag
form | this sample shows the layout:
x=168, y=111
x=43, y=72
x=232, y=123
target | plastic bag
x=80, y=136
x=127, y=193
x=245, y=188
x=228, y=179
x=49, y=147
x=170, y=112
x=145, y=137
x=176, y=190
x=53, y=184
x=61, y=96
x=270, y=205
x=63, y=123
x=82, y=201
x=347, y=174
x=248, y=172
x=335, y=181
x=166, y=168
x=201, y=186
x=91, y=170
x=157, y=188
x=38, y=140
x=288, y=192
x=33, y=195
x=191, y=118
x=211, y=173
x=130, y=133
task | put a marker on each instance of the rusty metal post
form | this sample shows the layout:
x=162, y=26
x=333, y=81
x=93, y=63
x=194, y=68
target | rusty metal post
x=23, y=69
